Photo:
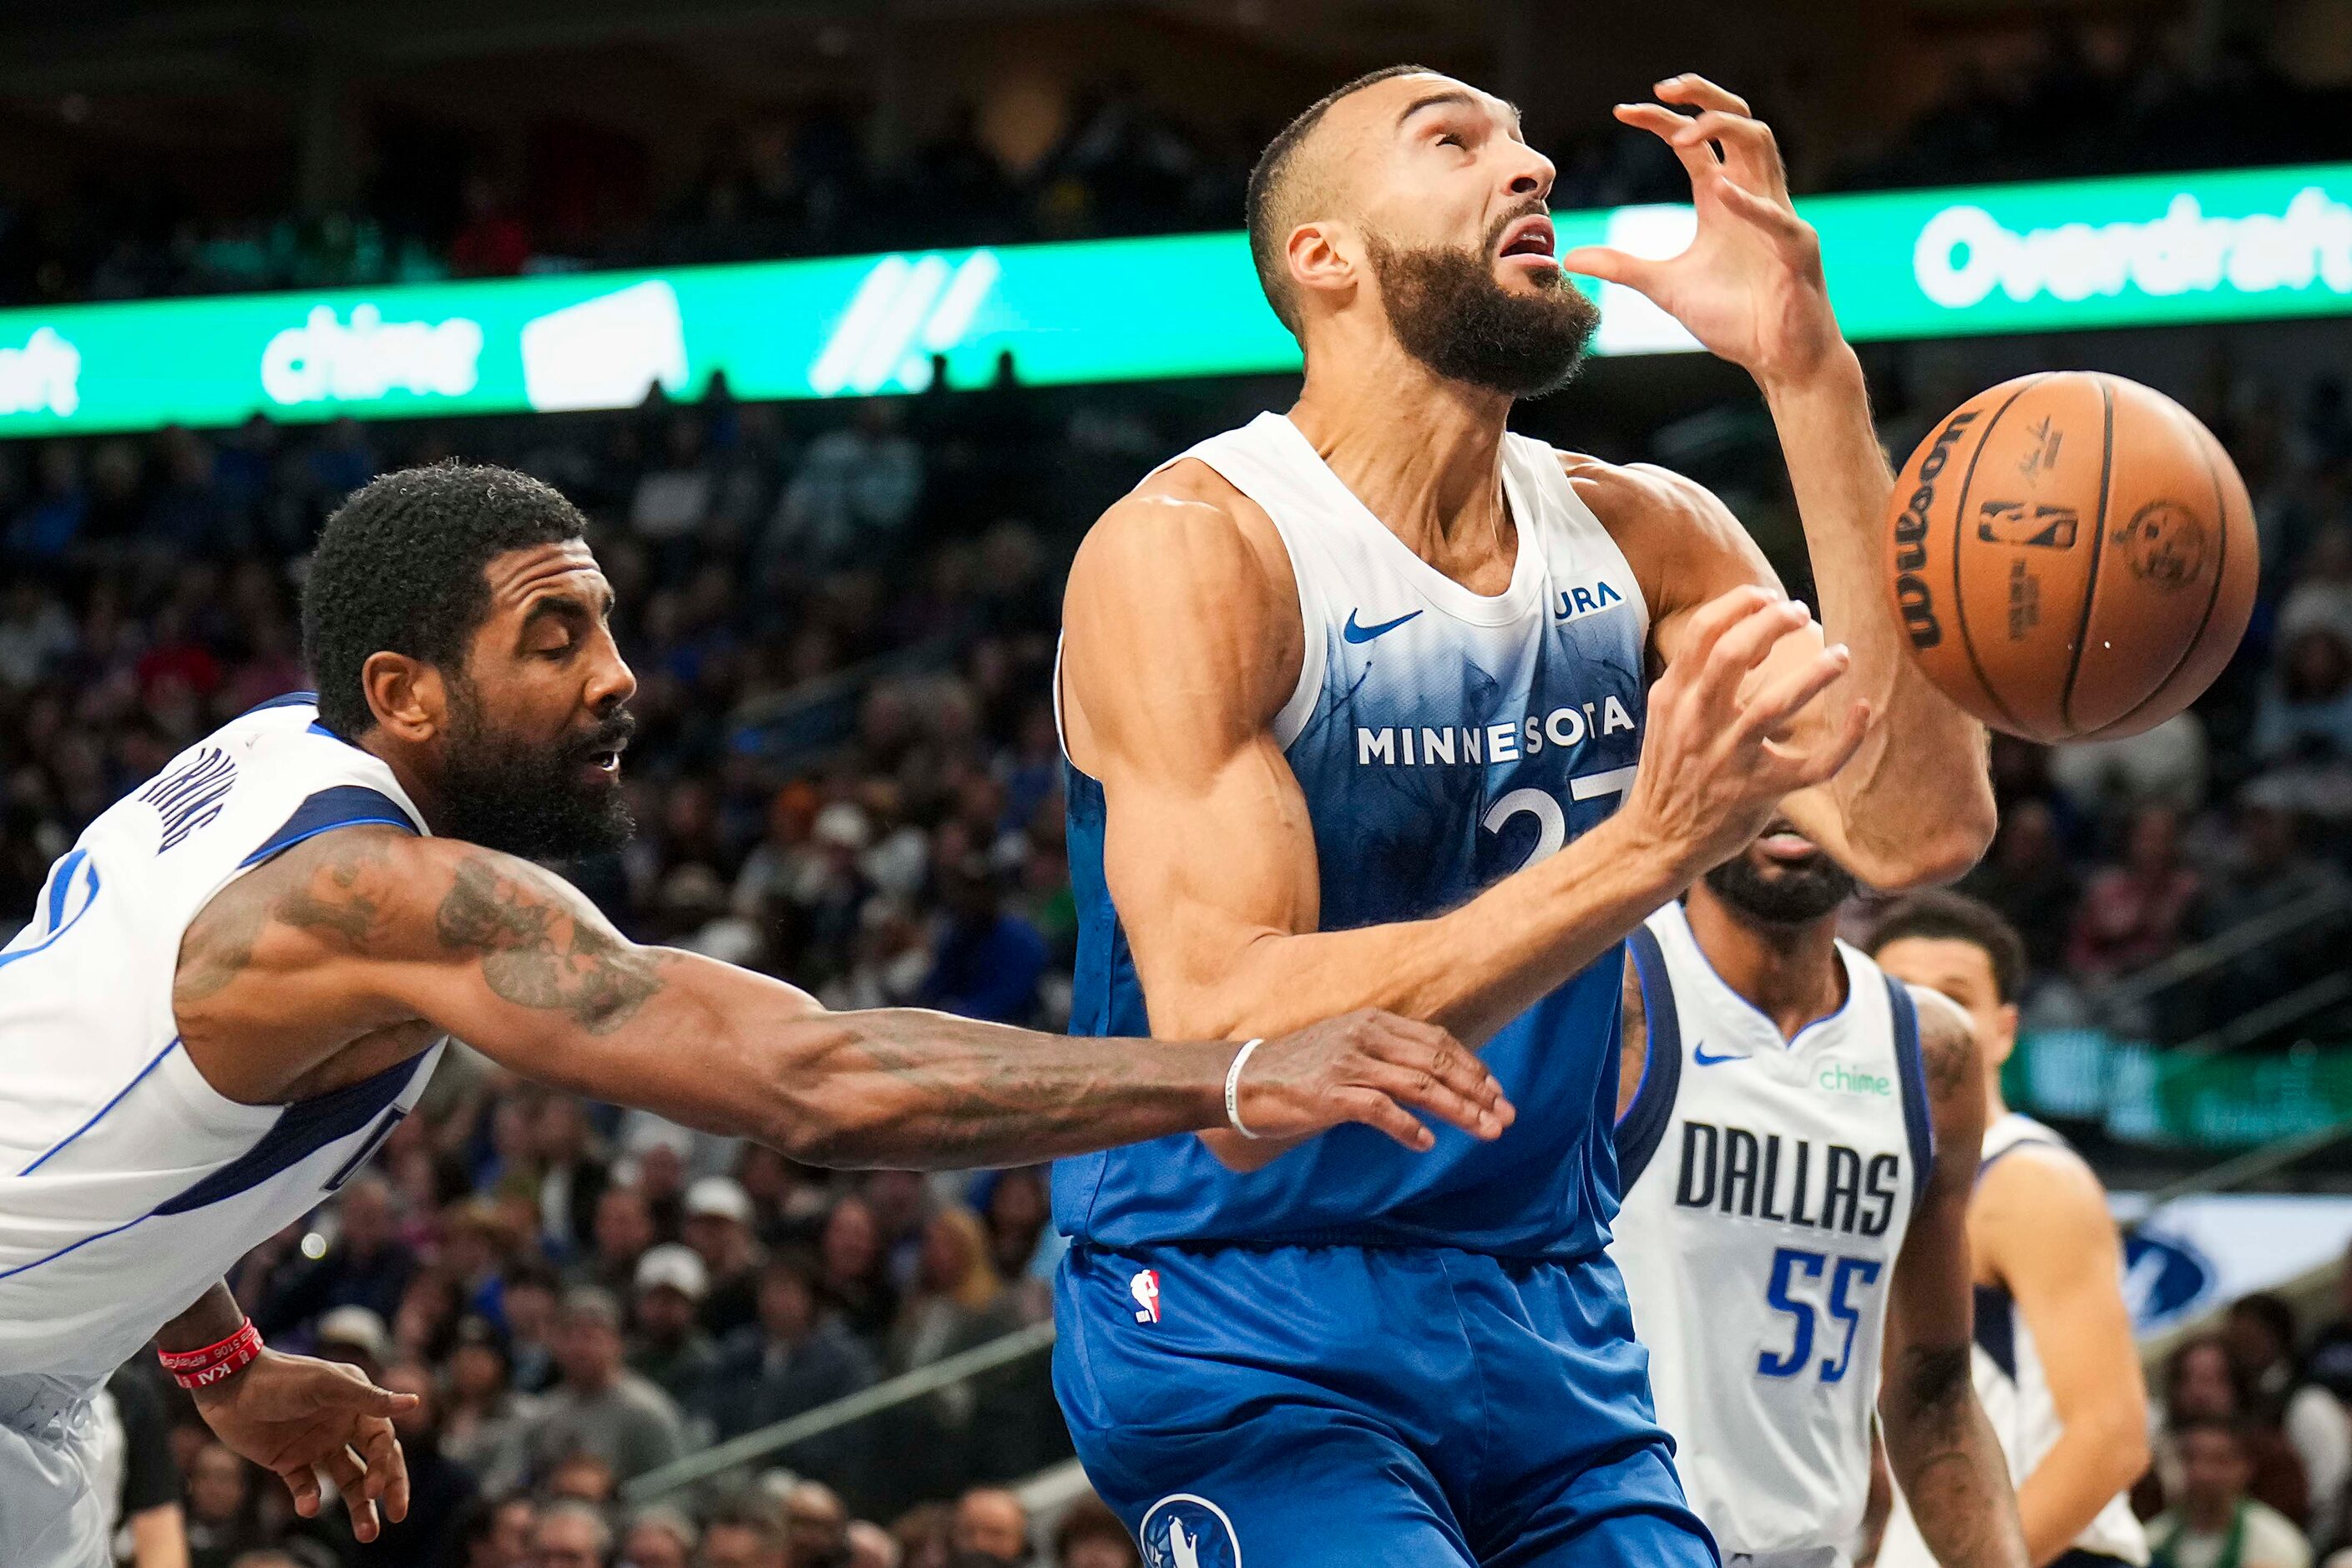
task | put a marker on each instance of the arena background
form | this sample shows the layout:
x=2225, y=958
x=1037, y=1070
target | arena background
x=252, y=253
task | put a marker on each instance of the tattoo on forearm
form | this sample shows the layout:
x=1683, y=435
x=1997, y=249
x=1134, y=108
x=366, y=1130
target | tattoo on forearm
x=535, y=953
x=1950, y=1465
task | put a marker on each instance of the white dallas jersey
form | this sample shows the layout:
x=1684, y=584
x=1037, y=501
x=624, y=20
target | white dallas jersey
x=1767, y=1186
x=128, y=1184
x=2015, y=1394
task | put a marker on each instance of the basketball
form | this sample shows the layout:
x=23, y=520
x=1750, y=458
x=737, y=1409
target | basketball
x=2073, y=556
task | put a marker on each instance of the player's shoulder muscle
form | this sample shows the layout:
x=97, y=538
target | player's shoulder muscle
x=2039, y=1202
x=1683, y=545
x=1180, y=610
x=1954, y=1071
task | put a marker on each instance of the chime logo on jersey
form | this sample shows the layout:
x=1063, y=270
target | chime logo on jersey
x=1187, y=1531
x=1145, y=1288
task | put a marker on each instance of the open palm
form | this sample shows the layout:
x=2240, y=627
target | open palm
x=1748, y=286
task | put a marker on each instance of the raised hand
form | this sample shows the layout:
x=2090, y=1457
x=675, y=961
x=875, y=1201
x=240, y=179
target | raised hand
x=1749, y=284
x=1374, y=1067
x=313, y=1421
x=1722, y=746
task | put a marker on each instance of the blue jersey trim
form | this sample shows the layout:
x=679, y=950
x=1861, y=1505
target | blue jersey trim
x=72, y=1246
x=1996, y=1331
x=1919, y=1119
x=290, y=699
x=302, y=1130
x=60, y=886
x=1644, y=1125
x=343, y=805
x=100, y=1114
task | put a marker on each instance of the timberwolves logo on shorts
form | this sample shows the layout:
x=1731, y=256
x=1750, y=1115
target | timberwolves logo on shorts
x=1188, y=1532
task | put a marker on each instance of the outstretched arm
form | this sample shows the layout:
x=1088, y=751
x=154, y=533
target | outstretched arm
x=1938, y=1443
x=1182, y=643
x=367, y=931
x=1915, y=804
x=2042, y=1223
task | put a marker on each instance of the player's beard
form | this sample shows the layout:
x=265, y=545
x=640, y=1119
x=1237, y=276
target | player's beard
x=1789, y=894
x=536, y=800
x=1448, y=312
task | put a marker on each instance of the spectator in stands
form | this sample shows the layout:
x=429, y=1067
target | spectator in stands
x=795, y=1359
x=570, y=1535
x=958, y=1298
x=2306, y=714
x=816, y=1527
x=659, y=1536
x=744, y=1533
x=2260, y=1331
x=2321, y=599
x=526, y=1299
x=146, y=1502
x=1091, y=1536
x=497, y=1532
x=2136, y=911
x=2203, y=1383
x=990, y=1529
x=581, y=1477
x=484, y=1424
x=852, y=495
x=670, y=1350
x=988, y=960
x=600, y=1405
x=622, y=1230
x=871, y=1546
x=718, y=1221
x=223, y=1521
x=853, y=1281
x=2330, y=1360
x=572, y=1175
x=2026, y=877
x=440, y=1489
x=925, y=1535
x=367, y=1264
x=2216, y=1523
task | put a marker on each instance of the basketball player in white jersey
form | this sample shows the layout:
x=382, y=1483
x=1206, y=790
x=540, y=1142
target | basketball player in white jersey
x=1786, y=1221
x=1359, y=704
x=238, y=981
x=2056, y=1365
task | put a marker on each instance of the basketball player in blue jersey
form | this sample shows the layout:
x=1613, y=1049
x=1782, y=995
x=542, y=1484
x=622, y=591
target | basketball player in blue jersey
x=1792, y=1225
x=1375, y=702
x=236, y=984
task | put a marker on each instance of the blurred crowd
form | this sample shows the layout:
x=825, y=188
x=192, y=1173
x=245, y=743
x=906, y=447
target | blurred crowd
x=847, y=773
x=812, y=183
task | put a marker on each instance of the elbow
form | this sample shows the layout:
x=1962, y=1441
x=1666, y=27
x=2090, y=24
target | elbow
x=1941, y=855
x=820, y=1106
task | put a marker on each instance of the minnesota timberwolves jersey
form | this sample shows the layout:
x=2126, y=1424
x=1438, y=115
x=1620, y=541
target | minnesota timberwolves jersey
x=1443, y=739
x=1768, y=1188
x=2012, y=1386
x=128, y=1184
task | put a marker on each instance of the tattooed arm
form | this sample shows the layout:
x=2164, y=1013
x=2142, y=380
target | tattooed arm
x=1938, y=1443
x=354, y=949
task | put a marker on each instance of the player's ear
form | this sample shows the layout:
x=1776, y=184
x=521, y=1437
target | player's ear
x=1323, y=257
x=408, y=697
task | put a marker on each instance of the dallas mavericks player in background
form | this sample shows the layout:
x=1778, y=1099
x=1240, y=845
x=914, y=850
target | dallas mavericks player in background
x=2057, y=1367
x=238, y=979
x=1350, y=697
x=1780, y=1104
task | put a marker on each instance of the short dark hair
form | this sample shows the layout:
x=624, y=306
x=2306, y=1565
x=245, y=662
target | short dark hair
x=2270, y=1310
x=1942, y=915
x=1269, y=179
x=399, y=570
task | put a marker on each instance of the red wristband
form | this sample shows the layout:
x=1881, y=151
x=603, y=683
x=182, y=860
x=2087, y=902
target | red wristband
x=215, y=1363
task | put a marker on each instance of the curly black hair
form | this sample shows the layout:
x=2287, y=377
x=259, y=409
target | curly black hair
x=1939, y=914
x=399, y=569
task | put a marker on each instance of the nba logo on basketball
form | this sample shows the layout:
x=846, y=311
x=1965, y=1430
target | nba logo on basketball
x=1145, y=1288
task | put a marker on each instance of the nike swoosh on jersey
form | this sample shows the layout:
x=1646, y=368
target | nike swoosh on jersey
x=1355, y=633
x=1698, y=1054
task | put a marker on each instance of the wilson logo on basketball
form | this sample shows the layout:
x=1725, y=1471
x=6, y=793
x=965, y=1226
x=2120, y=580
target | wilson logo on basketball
x=1912, y=595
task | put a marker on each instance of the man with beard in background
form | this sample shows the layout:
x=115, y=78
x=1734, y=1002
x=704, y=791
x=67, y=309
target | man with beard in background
x=1352, y=699
x=238, y=981
x=1787, y=1229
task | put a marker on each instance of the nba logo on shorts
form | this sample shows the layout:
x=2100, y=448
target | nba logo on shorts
x=1187, y=1531
x=1145, y=1288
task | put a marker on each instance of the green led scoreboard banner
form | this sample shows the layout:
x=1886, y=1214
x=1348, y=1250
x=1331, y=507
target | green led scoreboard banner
x=2139, y=251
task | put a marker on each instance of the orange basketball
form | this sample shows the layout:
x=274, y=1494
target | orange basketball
x=2072, y=555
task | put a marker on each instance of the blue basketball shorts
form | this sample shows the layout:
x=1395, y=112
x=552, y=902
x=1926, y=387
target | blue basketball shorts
x=1346, y=1405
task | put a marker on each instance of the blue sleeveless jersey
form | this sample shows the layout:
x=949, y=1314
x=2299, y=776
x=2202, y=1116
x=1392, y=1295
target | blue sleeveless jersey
x=1442, y=740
